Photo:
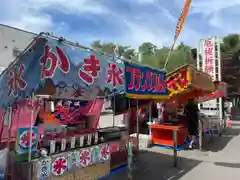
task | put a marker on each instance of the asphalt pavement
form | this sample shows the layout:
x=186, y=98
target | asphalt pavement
x=219, y=161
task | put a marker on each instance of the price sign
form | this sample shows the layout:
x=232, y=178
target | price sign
x=63, y=144
x=96, y=138
x=81, y=141
x=89, y=139
x=73, y=141
x=52, y=146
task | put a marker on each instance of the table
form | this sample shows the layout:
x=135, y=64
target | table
x=169, y=135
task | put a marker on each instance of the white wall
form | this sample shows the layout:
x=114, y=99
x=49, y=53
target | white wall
x=10, y=39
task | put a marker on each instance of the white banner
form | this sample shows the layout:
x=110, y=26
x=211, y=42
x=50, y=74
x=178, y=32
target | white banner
x=208, y=64
x=210, y=104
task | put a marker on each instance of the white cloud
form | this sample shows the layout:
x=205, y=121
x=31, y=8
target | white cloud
x=28, y=15
x=137, y=27
x=220, y=14
x=72, y=6
x=20, y=14
x=208, y=7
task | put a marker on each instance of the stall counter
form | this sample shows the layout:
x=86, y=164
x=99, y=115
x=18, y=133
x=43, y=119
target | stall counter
x=162, y=134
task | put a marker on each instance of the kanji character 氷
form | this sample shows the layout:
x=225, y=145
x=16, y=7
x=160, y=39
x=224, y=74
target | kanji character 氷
x=16, y=81
x=115, y=75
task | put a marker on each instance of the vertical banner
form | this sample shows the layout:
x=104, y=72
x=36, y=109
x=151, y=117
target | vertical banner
x=209, y=61
x=179, y=27
x=182, y=20
x=209, y=66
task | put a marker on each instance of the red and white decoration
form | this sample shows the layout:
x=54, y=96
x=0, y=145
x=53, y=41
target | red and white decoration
x=25, y=139
x=114, y=147
x=85, y=157
x=105, y=152
x=59, y=166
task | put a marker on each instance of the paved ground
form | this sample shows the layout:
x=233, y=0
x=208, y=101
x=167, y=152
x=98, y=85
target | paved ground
x=220, y=160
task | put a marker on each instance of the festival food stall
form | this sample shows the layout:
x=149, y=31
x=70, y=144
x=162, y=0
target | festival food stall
x=51, y=100
x=61, y=85
x=142, y=85
x=183, y=83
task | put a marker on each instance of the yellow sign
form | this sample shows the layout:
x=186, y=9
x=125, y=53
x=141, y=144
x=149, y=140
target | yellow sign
x=178, y=82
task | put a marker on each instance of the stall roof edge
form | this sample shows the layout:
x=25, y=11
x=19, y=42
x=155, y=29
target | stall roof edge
x=75, y=44
x=186, y=66
x=71, y=43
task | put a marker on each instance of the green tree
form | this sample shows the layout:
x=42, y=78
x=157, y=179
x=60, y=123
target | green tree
x=147, y=48
x=125, y=52
x=149, y=54
x=231, y=43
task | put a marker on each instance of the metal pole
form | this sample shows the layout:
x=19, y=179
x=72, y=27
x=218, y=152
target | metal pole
x=30, y=139
x=200, y=133
x=150, y=118
x=113, y=109
x=9, y=111
x=137, y=121
x=175, y=148
x=130, y=163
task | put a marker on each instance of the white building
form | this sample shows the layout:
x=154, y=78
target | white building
x=12, y=42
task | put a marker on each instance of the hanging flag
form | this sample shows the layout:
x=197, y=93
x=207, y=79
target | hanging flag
x=140, y=57
x=116, y=54
x=179, y=27
x=116, y=51
x=181, y=20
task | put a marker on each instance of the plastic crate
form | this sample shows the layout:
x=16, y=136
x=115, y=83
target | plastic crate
x=144, y=140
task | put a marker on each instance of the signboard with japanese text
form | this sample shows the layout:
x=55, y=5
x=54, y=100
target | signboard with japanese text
x=65, y=163
x=209, y=57
x=144, y=82
x=61, y=69
x=209, y=67
x=187, y=78
x=209, y=61
x=178, y=82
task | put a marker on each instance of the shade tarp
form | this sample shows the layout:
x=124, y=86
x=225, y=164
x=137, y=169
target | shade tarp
x=58, y=68
x=53, y=66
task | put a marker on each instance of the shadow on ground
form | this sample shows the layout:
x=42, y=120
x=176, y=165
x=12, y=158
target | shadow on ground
x=219, y=142
x=226, y=164
x=156, y=166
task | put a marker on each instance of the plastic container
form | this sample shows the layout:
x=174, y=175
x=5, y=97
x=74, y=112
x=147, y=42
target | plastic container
x=144, y=140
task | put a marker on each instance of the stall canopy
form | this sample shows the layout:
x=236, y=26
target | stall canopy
x=188, y=82
x=53, y=66
x=220, y=91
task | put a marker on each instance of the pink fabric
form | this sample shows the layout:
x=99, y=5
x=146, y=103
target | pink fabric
x=96, y=110
x=21, y=118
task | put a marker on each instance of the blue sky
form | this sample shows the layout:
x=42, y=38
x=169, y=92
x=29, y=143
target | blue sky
x=128, y=22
